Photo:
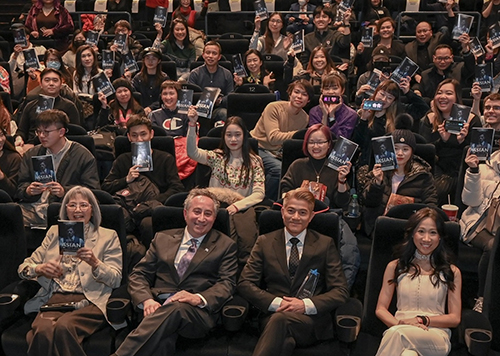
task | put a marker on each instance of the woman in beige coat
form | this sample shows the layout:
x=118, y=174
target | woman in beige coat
x=86, y=278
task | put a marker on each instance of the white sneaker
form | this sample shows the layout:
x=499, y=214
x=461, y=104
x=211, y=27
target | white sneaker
x=478, y=307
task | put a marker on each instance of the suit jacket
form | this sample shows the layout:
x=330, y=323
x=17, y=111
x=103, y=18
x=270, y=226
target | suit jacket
x=97, y=286
x=266, y=275
x=296, y=8
x=411, y=48
x=211, y=273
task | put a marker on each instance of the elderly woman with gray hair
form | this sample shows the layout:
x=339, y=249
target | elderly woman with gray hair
x=85, y=278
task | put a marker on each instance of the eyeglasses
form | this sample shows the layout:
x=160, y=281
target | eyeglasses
x=74, y=206
x=443, y=59
x=491, y=107
x=39, y=132
x=319, y=143
x=275, y=21
x=386, y=95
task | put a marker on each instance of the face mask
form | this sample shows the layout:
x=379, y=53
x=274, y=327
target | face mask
x=79, y=43
x=54, y=65
x=380, y=65
x=302, y=2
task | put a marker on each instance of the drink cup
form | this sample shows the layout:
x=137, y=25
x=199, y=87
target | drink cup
x=450, y=210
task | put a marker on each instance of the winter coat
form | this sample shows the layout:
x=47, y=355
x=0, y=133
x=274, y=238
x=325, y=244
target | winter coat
x=418, y=183
x=479, y=189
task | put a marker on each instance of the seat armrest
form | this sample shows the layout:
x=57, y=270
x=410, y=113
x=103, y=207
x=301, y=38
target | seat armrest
x=14, y=296
x=475, y=329
x=348, y=320
x=234, y=313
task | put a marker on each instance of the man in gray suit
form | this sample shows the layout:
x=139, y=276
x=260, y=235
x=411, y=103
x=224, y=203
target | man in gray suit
x=280, y=261
x=183, y=280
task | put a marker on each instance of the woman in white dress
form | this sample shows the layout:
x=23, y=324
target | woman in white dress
x=424, y=280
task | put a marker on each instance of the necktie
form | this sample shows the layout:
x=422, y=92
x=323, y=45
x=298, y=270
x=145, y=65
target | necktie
x=293, y=261
x=186, y=259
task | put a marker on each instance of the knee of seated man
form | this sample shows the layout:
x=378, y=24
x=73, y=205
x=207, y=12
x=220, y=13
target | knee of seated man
x=279, y=318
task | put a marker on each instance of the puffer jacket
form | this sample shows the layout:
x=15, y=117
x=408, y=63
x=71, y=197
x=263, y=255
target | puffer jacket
x=479, y=189
x=418, y=183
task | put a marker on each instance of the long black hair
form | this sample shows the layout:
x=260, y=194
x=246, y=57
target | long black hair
x=247, y=153
x=440, y=259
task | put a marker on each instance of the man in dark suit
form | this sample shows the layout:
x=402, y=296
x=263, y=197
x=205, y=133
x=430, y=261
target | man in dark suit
x=421, y=49
x=183, y=280
x=281, y=263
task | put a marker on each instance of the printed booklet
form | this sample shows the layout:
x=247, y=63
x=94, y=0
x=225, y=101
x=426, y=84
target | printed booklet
x=261, y=9
x=43, y=166
x=484, y=76
x=185, y=101
x=71, y=236
x=45, y=102
x=141, y=156
x=205, y=106
x=481, y=142
x=458, y=117
x=407, y=68
x=462, y=25
x=384, y=152
x=342, y=152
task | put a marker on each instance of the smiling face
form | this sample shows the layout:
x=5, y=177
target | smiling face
x=275, y=23
x=180, y=32
x=185, y=3
x=386, y=98
x=319, y=61
x=317, y=145
x=424, y=32
x=253, y=63
x=403, y=153
x=386, y=30
x=169, y=98
x=211, y=55
x=200, y=216
x=321, y=21
x=296, y=214
x=442, y=59
x=426, y=237
x=333, y=90
x=492, y=113
x=79, y=209
x=123, y=96
x=87, y=58
x=445, y=98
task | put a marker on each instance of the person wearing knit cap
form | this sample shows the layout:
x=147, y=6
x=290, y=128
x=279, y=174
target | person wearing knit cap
x=118, y=111
x=412, y=178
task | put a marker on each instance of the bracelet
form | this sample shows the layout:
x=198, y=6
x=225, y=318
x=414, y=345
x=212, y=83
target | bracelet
x=425, y=320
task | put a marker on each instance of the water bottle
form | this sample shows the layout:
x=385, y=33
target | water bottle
x=353, y=208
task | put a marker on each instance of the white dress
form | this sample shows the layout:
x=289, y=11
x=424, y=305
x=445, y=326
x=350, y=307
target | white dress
x=417, y=296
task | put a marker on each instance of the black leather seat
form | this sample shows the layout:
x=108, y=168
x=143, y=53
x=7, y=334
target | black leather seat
x=101, y=343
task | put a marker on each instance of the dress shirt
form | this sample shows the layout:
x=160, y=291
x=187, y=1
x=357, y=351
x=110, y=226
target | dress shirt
x=310, y=308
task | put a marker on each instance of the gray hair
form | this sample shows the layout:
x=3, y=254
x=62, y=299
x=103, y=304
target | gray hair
x=87, y=194
x=196, y=192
